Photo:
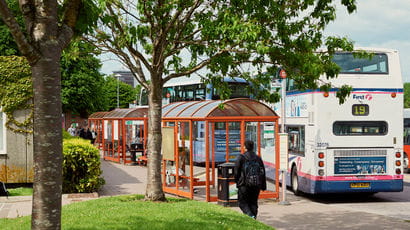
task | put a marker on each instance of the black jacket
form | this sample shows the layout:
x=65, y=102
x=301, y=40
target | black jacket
x=240, y=161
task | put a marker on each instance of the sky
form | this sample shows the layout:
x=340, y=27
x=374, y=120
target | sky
x=376, y=23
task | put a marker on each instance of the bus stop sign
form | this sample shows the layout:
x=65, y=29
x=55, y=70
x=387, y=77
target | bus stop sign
x=282, y=74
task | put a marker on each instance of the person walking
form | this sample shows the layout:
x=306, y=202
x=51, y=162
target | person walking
x=250, y=178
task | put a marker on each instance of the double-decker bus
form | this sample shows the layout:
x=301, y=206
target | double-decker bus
x=356, y=146
x=406, y=140
x=193, y=89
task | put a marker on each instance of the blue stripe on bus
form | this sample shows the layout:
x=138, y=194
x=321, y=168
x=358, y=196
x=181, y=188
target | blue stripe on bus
x=313, y=187
x=316, y=187
x=387, y=90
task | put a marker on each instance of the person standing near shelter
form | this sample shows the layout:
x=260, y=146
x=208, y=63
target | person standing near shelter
x=71, y=130
x=250, y=178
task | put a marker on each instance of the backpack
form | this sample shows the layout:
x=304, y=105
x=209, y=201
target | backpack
x=3, y=189
x=253, y=172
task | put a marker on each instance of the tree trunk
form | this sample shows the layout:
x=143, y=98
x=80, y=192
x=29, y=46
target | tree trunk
x=47, y=142
x=154, y=181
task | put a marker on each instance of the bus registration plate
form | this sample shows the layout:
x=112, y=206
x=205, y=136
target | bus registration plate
x=360, y=185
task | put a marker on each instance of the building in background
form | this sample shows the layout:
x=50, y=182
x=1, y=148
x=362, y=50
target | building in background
x=126, y=77
x=16, y=152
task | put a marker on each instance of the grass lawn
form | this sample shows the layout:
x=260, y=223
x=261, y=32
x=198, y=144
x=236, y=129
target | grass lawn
x=20, y=191
x=130, y=212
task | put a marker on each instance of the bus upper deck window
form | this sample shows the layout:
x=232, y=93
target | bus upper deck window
x=377, y=64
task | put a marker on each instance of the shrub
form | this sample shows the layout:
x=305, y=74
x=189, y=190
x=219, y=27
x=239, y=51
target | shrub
x=81, y=167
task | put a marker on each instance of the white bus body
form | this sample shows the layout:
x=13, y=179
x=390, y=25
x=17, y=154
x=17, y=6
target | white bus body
x=356, y=146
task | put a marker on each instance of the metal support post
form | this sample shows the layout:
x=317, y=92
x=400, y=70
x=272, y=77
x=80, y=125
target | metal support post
x=283, y=201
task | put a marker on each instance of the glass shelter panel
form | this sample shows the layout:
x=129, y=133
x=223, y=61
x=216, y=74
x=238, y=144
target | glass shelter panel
x=268, y=147
x=227, y=137
x=108, y=136
x=251, y=132
x=183, y=144
x=234, y=148
x=134, y=131
x=199, y=141
x=179, y=170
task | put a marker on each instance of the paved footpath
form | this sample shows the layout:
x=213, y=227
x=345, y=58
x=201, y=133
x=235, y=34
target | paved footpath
x=301, y=214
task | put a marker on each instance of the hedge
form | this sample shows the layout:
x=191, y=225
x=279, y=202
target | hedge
x=81, y=167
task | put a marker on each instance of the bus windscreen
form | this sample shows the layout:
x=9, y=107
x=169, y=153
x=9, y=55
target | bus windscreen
x=377, y=64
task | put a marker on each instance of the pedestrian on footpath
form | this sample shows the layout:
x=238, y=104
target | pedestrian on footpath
x=250, y=178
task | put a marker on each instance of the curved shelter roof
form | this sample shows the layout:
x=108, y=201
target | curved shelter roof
x=139, y=112
x=97, y=115
x=211, y=108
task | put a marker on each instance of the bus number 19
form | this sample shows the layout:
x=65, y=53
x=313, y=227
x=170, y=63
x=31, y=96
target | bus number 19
x=360, y=110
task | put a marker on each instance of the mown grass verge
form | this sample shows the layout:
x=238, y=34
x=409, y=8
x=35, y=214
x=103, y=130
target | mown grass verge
x=22, y=191
x=131, y=212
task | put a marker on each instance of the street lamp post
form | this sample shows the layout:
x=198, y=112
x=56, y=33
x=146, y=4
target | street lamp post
x=118, y=89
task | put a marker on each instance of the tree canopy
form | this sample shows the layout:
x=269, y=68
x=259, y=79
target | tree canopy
x=182, y=37
x=406, y=95
x=162, y=40
x=82, y=89
x=81, y=81
x=7, y=45
x=126, y=94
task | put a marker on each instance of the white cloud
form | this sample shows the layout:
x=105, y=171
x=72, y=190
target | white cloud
x=110, y=63
x=377, y=23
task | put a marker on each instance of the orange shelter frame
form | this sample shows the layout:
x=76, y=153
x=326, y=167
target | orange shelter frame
x=197, y=120
x=121, y=130
x=95, y=123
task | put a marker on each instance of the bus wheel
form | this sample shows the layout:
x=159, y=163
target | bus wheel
x=295, y=182
x=405, y=163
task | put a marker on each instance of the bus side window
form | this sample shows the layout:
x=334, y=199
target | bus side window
x=296, y=139
x=290, y=84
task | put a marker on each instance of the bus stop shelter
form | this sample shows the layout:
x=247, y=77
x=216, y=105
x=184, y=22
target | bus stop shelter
x=123, y=134
x=95, y=123
x=199, y=135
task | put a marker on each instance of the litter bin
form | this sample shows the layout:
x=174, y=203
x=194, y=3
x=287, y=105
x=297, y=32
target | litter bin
x=227, y=192
x=133, y=152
